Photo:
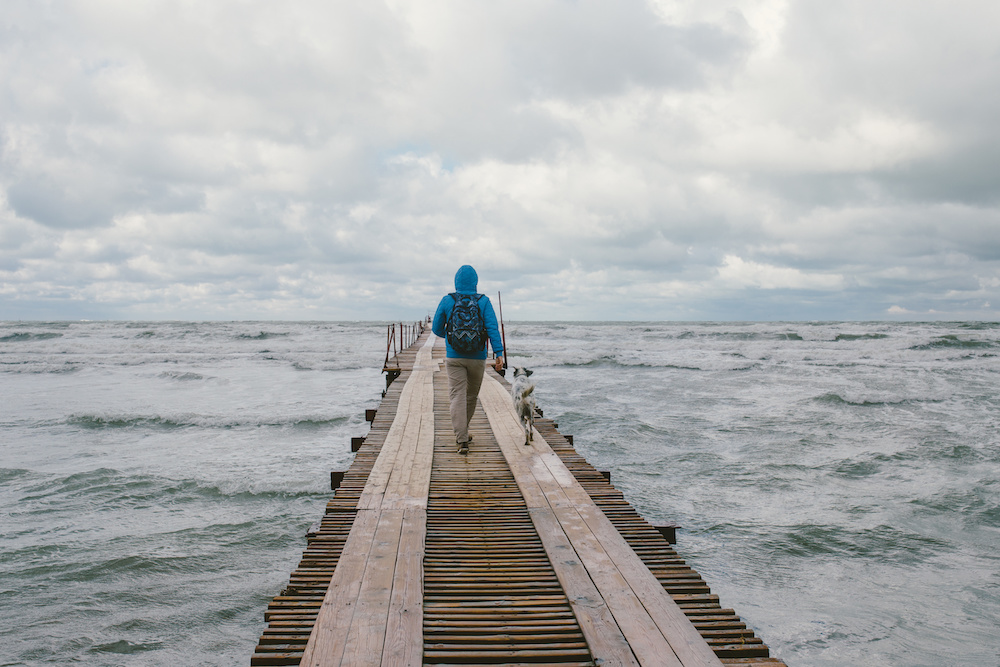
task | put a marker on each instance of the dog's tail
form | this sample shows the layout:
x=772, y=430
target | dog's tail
x=527, y=391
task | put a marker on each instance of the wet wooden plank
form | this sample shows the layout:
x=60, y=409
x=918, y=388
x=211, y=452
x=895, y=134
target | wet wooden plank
x=656, y=629
x=493, y=593
x=328, y=637
x=365, y=636
x=404, y=624
x=376, y=587
x=604, y=636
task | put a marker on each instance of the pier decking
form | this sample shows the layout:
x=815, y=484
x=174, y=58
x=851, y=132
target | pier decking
x=510, y=555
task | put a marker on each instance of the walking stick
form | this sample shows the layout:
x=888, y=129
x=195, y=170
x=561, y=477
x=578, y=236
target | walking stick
x=503, y=334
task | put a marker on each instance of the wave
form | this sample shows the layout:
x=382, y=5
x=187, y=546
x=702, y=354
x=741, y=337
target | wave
x=115, y=568
x=989, y=516
x=25, y=337
x=748, y=367
x=310, y=424
x=263, y=335
x=976, y=505
x=104, y=422
x=951, y=341
x=607, y=361
x=882, y=543
x=34, y=367
x=125, y=647
x=856, y=468
x=737, y=363
x=854, y=337
x=837, y=399
x=92, y=484
x=115, y=489
x=98, y=422
x=10, y=474
x=182, y=376
x=742, y=336
x=979, y=326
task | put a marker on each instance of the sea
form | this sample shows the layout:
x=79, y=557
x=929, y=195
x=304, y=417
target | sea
x=836, y=483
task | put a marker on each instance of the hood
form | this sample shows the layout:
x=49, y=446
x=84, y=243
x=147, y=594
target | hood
x=466, y=280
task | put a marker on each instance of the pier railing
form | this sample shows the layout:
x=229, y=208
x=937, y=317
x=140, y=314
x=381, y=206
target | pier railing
x=398, y=337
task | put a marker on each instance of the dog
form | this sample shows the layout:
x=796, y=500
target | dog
x=522, y=391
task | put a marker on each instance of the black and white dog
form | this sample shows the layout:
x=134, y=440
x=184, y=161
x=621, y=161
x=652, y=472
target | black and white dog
x=522, y=391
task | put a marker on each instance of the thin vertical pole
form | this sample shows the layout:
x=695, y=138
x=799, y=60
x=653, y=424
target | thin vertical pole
x=503, y=334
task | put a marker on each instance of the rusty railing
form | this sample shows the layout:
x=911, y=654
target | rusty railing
x=405, y=334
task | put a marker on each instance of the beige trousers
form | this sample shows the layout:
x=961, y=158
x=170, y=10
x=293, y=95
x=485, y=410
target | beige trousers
x=465, y=377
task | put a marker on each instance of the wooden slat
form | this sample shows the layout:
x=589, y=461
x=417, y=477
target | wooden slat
x=654, y=626
x=688, y=590
x=294, y=612
x=365, y=637
x=369, y=597
x=447, y=559
x=604, y=636
x=328, y=638
x=491, y=595
x=405, y=621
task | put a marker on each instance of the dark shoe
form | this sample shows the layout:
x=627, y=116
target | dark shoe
x=463, y=448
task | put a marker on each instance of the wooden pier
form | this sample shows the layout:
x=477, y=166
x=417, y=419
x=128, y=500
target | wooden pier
x=510, y=555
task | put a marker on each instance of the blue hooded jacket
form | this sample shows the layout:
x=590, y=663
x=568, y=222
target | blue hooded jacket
x=466, y=282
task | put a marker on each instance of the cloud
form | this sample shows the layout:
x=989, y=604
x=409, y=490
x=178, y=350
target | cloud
x=594, y=160
x=740, y=273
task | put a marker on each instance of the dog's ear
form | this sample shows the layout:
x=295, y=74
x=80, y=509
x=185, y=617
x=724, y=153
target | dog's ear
x=527, y=372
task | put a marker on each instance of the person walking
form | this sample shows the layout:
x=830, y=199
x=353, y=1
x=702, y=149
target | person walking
x=466, y=321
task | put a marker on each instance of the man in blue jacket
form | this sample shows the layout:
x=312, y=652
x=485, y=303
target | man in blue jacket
x=465, y=369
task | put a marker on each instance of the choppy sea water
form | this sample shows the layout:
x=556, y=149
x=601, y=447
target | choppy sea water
x=838, y=484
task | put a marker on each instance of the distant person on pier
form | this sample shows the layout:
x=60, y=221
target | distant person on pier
x=465, y=319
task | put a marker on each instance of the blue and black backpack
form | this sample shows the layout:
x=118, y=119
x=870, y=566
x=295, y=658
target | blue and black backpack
x=466, y=328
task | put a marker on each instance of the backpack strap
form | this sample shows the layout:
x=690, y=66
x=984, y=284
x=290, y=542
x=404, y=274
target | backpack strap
x=456, y=296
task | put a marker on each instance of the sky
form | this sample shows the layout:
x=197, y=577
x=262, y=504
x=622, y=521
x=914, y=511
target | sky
x=592, y=159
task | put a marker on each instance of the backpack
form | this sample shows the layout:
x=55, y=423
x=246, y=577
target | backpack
x=466, y=328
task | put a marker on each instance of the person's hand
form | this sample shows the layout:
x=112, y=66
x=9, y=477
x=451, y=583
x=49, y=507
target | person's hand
x=498, y=364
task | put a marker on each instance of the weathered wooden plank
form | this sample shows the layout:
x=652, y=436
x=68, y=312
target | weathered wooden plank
x=689, y=646
x=604, y=636
x=492, y=593
x=420, y=475
x=410, y=479
x=608, y=641
x=404, y=625
x=328, y=637
x=616, y=561
x=407, y=416
x=366, y=634
x=656, y=629
x=490, y=589
x=365, y=591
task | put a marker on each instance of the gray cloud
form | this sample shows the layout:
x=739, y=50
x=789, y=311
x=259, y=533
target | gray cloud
x=592, y=48
x=592, y=159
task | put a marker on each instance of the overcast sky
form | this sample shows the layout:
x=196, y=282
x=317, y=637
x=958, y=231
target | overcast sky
x=593, y=159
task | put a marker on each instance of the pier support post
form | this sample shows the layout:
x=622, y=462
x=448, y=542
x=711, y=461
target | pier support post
x=669, y=532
